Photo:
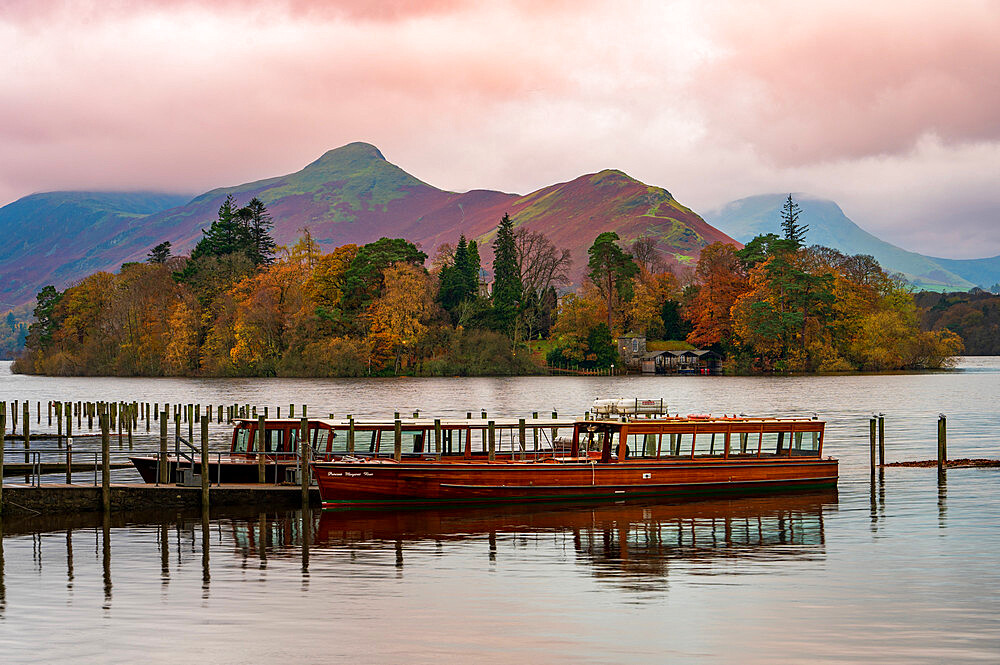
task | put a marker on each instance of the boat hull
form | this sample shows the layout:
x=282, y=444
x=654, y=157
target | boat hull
x=352, y=484
x=233, y=471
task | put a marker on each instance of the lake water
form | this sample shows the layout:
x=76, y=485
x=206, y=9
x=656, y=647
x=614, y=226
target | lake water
x=902, y=570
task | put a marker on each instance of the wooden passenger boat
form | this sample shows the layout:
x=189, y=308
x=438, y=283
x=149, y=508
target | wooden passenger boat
x=596, y=459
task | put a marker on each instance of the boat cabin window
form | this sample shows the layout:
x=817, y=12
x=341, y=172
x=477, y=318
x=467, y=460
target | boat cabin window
x=805, y=444
x=452, y=441
x=744, y=444
x=709, y=444
x=677, y=445
x=643, y=445
x=412, y=442
x=242, y=440
x=273, y=439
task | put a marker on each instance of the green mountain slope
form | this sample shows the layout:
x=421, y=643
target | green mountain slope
x=56, y=237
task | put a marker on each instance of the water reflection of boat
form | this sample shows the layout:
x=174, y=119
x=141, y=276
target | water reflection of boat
x=788, y=519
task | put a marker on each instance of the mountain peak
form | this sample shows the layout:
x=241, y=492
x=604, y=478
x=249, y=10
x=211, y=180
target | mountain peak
x=355, y=152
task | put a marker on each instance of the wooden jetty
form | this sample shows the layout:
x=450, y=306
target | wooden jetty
x=61, y=498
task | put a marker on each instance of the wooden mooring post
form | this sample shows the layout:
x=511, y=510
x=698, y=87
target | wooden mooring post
x=105, y=462
x=261, y=441
x=492, y=440
x=437, y=437
x=27, y=427
x=881, y=440
x=871, y=442
x=164, y=475
x=397, y=445
x=350, y=435
x=204, y=463
x=942, y=450
x=304, y=448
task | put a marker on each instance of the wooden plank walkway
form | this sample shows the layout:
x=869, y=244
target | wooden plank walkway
x=21, y=469
x=54, y=498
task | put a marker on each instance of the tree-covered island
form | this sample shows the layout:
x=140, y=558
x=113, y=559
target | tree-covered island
x=240, y=306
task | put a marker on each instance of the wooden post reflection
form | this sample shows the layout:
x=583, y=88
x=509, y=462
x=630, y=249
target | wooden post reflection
x=106, y=558
x=942, y=502
x=164, y=548
x=69, y=558
x=306, y=531
x=262, y=540
x=206, y=575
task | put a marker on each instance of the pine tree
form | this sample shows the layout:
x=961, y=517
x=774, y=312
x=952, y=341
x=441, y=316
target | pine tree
x=790, y=222
x=507, y=288
x=471, y=270
x=258, y=227
x=226, y=235
x=160, y=253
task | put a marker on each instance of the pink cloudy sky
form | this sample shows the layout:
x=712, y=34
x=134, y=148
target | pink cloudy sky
x=892, y=109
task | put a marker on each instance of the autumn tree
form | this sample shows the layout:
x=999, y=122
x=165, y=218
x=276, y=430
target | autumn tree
x=397, y=318
x=364, y=279
x=611, y=271
x=721, y=279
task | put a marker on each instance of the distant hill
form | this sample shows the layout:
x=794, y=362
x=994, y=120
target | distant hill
x=58, y=237
x=984, y=273
x=349, y=195
x=829, y=226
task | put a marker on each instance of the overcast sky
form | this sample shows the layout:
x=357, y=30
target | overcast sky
x=892, y=109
